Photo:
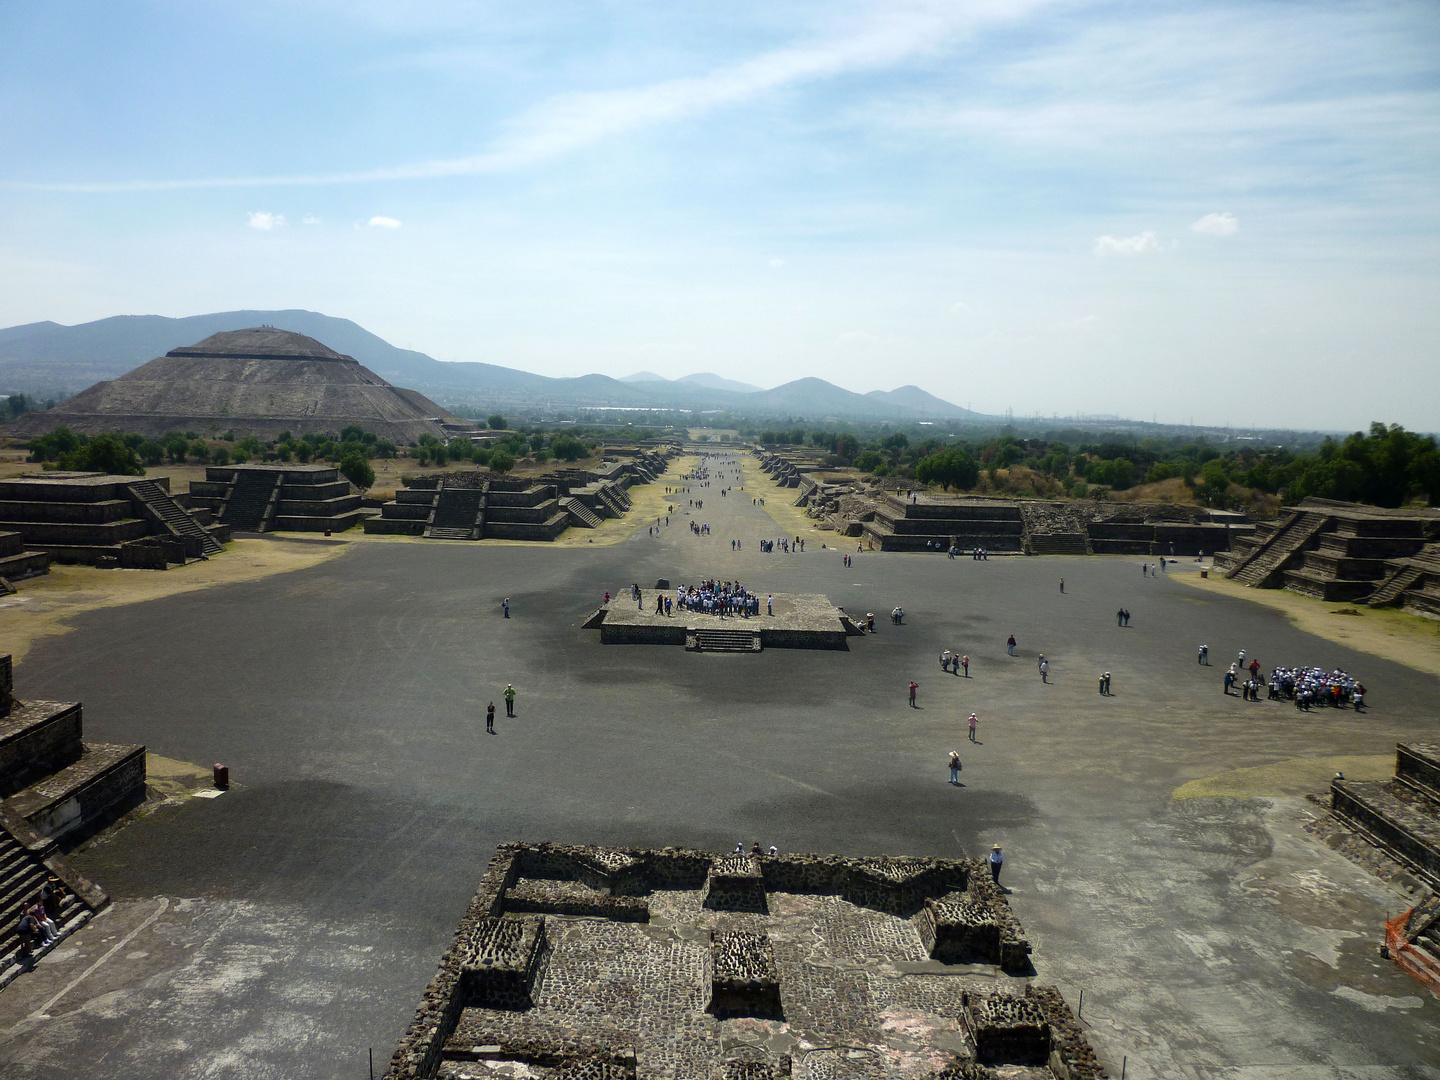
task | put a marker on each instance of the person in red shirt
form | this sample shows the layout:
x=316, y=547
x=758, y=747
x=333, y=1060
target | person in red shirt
x=914, y=686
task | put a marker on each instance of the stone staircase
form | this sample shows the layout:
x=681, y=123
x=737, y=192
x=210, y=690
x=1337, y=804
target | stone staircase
x=175, y=518
x=717, y=640
x=459, y=514
x=251, y=501
x=27, y=861
x=1393, y=586
x=1059, y=544
x=580, y=514
x=1269, y=560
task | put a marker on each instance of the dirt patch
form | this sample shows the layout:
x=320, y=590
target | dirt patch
x=1393, y=635
x=45, y=605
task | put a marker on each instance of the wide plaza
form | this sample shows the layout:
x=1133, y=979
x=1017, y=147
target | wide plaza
x=287, y=927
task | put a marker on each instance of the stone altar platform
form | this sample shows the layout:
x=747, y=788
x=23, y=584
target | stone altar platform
x=801, y=621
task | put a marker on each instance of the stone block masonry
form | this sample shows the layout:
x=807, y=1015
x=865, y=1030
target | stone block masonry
x=580, y=985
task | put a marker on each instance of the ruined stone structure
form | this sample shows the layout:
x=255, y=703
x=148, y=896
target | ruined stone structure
x=891, y=520
x=588, y=962
x=1401, y=815
x=1341, y=551
x=480, y=506
x=16, y=562
x=124, y=521
x=260, y=382
x=54, y=787
x=290, y=498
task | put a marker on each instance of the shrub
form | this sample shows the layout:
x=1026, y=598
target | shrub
x=495, y=422
x=103, y=454
x=221, y=456
x=502, y=461
x=568, y=448
x=199, y=451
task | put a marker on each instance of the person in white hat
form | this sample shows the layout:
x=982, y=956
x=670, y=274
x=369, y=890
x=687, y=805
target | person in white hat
x=997, y=860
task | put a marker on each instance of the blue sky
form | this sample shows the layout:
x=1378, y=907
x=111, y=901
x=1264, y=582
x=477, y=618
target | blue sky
x=1225, y=213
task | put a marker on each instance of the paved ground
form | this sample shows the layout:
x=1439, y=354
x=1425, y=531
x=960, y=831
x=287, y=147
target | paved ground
x=296, y=918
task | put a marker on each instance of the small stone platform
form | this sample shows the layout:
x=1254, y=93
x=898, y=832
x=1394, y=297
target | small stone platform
x=801, y=621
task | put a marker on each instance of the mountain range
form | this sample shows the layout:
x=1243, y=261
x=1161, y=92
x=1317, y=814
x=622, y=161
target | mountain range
x=46, y=359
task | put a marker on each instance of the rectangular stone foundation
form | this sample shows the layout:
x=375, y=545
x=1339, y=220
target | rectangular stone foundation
x=743, y=979
x=735, y=884
x=1009, y=1030
x=960, y=932
x=499, y=962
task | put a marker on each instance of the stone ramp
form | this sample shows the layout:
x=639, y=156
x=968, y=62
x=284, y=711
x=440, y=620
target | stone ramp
x=175, y=519
x=1402, y=815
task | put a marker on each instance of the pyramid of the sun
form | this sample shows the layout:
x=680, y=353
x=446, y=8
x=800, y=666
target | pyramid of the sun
x=260, y=381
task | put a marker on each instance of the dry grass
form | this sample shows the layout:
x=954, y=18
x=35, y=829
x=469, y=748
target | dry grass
x=1293, y=776
x=790, y=519
x=1386, y=632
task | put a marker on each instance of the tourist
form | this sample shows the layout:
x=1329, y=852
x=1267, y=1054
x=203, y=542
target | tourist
x=1126, y=612
x=506, y=605
x=774, y=851
x=25, y=931
x=1120, y=617
x=965, y=663
x=945, y=661
x=770, y=605
x=955, y=767
x=1044, y=670
x=1107, y=684
x=1062, y=584
x=1204, y=655
x=1254, y=669
x=997, y=860
x=1010, y=645
x=45, y=925
x=914, y=686
x=1229, y=679
x=490, y=718
x=755, y=848
x=607, y=599
x=1144, y=569
x=509, y=700
x=974, y=722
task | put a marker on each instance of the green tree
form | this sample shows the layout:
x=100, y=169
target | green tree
x=568, y=448
x=868, y=460
x=495, y=421
x=847, y=447
x=948, y=468
x=103, y=454
x=356, y=468
x=199, y=451
x=502, y=461
x=221, y=456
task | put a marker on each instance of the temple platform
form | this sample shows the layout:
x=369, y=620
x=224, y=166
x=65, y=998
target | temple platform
x=800, y=621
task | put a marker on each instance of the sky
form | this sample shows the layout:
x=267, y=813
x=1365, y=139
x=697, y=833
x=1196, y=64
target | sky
x=1218, y=213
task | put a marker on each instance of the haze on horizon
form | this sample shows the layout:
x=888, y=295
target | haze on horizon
x=1224, y=213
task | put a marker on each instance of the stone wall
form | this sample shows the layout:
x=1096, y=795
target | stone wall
x=37, y=739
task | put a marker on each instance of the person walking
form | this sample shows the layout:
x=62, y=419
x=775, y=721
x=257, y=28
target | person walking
x=1107, y=684
x=505, y=604
x=997, y=860
x=1044, y=670
x=1062, y=584
x=965, y=663
x=955, y=767
x=509, y=700
x=914, y=686
x=974, y=722
x=1102, y=684
x=1010, y=645
x=490, y=718
x=1203, y=657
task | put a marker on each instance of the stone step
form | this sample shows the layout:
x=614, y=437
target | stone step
x=707, y=640
x=440, y=533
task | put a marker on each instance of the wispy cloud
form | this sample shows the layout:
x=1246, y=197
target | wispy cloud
x=566, y=123
x=310, y=220
x=1222, y=224
x=265, y=221
x=775, y=263
x=1145, y=243
x=381, y=222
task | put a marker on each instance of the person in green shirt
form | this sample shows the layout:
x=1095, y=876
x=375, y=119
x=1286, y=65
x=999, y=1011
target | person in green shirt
x=509, y=700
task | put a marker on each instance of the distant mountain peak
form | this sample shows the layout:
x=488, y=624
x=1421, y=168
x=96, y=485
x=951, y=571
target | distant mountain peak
x=644, y=376
x=711, y=381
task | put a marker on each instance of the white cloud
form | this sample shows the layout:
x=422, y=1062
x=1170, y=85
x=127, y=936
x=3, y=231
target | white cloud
x=1146, y=243
x=310, y=220
x=381, y=222
x=567, y=122
x=1223, y=224
x=265, y=221
x=775, y=264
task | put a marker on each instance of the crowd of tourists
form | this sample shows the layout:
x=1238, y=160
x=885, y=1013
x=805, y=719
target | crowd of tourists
x=1308, y=687
x=719, y=598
